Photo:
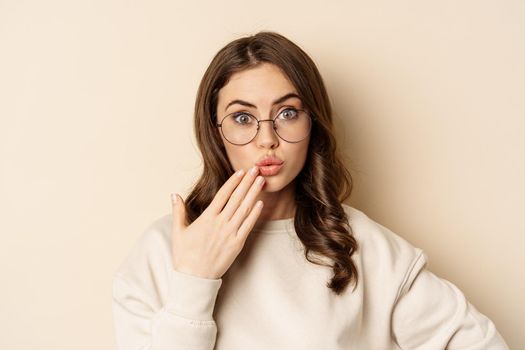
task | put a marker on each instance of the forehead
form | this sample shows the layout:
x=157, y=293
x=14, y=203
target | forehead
x=260, y=85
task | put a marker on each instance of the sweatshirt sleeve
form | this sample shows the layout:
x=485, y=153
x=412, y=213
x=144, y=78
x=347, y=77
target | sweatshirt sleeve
x=156, y=307
x=432, y=313
x=183, y=322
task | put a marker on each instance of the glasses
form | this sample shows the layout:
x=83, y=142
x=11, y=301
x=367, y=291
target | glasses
x=291, y=124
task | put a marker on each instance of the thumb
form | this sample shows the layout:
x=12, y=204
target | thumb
x=178, y=211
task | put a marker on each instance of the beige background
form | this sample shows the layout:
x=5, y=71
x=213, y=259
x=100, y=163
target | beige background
x=96, y=101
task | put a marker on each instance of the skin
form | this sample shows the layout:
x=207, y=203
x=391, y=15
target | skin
x=260, y=86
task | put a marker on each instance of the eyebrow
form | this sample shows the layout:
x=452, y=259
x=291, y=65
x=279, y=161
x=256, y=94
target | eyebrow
x=248, y=104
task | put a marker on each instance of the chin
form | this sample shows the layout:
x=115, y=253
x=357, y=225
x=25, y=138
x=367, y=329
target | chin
x=274, y=184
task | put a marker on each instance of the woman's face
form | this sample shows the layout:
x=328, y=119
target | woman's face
x=260, y=87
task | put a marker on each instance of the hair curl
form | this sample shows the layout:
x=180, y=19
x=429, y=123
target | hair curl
x=324, y=182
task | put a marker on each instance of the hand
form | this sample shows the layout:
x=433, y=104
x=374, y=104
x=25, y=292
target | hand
x=208, y=247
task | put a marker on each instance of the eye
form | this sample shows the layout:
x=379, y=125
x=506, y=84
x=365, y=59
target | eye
x=288, y=113
x=242, y=118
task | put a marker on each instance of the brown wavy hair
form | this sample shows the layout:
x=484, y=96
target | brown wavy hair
x=322, y=185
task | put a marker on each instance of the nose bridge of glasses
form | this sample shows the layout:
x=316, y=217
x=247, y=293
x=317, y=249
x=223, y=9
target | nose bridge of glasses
x=271, y=126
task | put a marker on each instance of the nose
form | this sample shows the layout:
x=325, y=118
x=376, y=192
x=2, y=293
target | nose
x=266, y=136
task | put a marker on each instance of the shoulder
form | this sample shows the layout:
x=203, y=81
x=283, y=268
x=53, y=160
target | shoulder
x=382, y=253
x=150, y=255
x=372, y=235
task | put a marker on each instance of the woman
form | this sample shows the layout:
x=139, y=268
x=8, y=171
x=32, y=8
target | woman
x=263, y=254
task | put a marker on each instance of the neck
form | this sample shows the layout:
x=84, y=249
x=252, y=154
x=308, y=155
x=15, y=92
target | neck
x=278, y=205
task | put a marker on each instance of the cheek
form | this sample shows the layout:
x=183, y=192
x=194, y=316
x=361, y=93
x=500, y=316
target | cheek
x=230, y=153
x=299, y=158
x=303, y=150
x=238, y=156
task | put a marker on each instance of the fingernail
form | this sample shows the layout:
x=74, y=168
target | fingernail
x=174, y=199
x=253, y=171
x=240, y=173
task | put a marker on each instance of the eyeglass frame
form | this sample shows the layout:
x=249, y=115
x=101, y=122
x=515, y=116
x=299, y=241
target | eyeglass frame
x=311, y=116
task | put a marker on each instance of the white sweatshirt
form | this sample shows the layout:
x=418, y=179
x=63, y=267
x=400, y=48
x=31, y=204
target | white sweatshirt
x=273, y=298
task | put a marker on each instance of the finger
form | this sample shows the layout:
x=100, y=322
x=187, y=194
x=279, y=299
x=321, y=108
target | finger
x=249, y=222
x=247, y=204
x=178, y=212
x=239, y=194
x=224, y=193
